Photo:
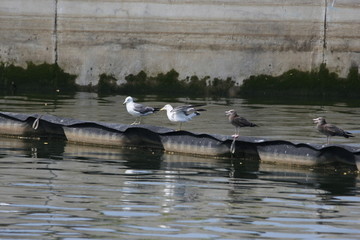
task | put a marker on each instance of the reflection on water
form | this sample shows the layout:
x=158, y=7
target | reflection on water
x=74, y=191
x=52, y=189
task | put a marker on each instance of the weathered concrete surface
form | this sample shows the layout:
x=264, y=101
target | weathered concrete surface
x=230, y=38
x=27, y=31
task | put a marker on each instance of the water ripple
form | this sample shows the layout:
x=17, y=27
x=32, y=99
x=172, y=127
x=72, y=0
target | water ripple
x=59, y=190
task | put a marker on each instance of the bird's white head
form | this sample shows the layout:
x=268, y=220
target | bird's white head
x=128, y=100
x=167, y=107
x=230, y=112
x=320, y=120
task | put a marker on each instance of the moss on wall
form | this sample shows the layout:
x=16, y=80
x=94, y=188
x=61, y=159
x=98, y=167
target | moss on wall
x=320, y=82
x=35, y=78
x=166, y=84
x=293, y=83
x=47, y=78
x=107, y=84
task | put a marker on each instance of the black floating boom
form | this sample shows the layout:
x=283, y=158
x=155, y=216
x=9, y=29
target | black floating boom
x=121, y=135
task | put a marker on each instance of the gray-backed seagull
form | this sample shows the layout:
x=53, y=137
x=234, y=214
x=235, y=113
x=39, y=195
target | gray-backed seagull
x=182, y=113
x=138, y=110
x=330, y=130
x=238, y=121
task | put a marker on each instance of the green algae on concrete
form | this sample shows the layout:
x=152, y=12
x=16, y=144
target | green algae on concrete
x=320, y=82
x=167, y=84
x=35, y=78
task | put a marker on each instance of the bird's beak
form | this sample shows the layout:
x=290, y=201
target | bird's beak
x=316, y=120
x=162, y=109
x=124, y=103
x=227, y=113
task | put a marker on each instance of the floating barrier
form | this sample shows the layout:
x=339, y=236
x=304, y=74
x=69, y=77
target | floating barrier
x=184, y=142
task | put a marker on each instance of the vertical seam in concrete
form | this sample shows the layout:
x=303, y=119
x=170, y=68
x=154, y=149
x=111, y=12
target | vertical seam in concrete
x=325, y=31
x=55, y=33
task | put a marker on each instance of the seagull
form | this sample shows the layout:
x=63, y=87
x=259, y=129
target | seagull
x=238, y=122
x=181, y=113
x=330, y=130
x=138, y=110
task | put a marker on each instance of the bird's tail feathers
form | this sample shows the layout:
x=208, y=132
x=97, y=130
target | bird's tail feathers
x=199, y=110
x=348, y=134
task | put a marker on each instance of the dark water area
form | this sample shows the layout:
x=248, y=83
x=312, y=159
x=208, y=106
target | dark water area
x=53, y=189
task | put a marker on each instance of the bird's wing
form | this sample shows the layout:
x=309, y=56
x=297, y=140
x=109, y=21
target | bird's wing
x=184, y=109
x=142, y=109
x=334, y=130
x=242, y=122
x=188, y=109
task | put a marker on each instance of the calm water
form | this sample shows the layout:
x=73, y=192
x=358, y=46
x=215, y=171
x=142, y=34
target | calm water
x=58, y=190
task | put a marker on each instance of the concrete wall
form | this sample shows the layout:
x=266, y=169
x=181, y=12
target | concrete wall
x=227, y=38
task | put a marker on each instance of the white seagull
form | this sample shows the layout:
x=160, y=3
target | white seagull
x=138, y=110
x=181, y=113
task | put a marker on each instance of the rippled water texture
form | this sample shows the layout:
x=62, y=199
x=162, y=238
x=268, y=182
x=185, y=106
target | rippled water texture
x=57, y=190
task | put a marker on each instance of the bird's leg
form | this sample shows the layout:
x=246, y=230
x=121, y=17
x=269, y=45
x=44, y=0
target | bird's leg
x=139, y=120
x=136, y=122
x=236, y=135
x=180, y=126
x=233, y=146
